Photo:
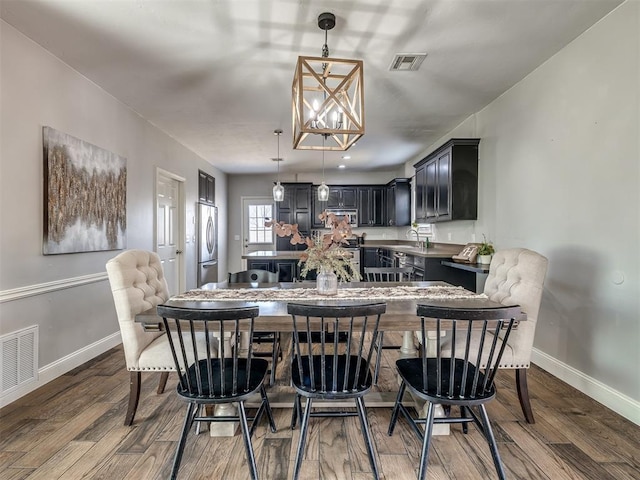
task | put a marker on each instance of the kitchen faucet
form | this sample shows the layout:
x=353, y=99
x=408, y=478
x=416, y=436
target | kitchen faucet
x=413, y=230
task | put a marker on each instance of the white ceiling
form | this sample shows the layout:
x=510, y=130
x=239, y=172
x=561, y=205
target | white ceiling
x=216, y=74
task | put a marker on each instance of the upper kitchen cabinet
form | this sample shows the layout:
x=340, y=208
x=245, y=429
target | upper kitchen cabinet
x=294, y=208
x=371, y=206
x=342, y=197
x=206, y=188
x=447, y=182
x=398, y=193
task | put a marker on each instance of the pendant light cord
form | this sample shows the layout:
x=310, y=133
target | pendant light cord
x=323, y=139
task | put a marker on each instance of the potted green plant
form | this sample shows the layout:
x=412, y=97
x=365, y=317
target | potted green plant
x=485, y=251
x=325, y=253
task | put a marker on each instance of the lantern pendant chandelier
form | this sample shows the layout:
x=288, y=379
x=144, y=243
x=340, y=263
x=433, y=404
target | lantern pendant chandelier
x=278, y=189
x=327, y=99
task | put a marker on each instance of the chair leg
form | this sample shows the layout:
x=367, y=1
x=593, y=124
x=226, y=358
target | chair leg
x=463, y=414
x=274, y=358
x=198, y=412
x=426, y=442
x=362, y=413
x=378, y=348
x=396, y=408
x=297, y=411
x=251, y=459
x=492, y=442
x=164, y=376
x=267, y=407
x=134, y=397
x=523, y=394
x=304, y=425
x=192, y=409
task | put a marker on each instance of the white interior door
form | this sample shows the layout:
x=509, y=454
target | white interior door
x=255, y=236
x=168, y=227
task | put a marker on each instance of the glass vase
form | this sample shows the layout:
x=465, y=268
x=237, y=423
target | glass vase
x=327, y=282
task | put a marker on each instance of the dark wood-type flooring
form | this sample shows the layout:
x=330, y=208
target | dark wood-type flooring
x=72, y=428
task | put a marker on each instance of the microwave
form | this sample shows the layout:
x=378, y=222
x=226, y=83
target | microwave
x=352, y=214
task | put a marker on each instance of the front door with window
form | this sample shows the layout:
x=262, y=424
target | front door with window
x=256, y=211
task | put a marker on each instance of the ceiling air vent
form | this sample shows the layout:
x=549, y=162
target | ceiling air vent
x=403, y=62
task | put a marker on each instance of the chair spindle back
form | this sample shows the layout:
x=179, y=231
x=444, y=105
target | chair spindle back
x=221, y=371
x=326, y=363
x=456, y=375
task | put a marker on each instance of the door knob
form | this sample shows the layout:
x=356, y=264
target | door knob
x=178, y=252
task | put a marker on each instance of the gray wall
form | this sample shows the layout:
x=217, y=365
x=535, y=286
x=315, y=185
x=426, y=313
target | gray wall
x=37, y=90
x=560, y=174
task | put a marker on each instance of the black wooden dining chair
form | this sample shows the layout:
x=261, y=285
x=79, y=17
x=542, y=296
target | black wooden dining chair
x=210, y=379
x=273, y=338
x=454, y=378
x=386, y=274
x=330, y=369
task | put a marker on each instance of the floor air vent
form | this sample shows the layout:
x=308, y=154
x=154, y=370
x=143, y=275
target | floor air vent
x=19, y=354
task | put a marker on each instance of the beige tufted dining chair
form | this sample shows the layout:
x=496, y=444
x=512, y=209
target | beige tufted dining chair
x=516, y=277
x=138, y=284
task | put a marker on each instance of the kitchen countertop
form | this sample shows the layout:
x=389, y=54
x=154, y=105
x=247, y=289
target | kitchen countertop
x=470, y=267
x=273, y=255
x=436, y=250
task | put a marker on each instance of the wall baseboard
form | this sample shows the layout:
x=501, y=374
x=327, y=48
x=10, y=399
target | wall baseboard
x=610, y=398
x=62, y=366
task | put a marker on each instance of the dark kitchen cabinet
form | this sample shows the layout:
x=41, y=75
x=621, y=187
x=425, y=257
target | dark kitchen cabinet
x=294, y=208
x=260, y=265
x=287, y=269
x=342, y=197
x=398, y=202
x=377, y=257
x=447, y=182
x=371, y=206
x=370, y=257
x=206, y=188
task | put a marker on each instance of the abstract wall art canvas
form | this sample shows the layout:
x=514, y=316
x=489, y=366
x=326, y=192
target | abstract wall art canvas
x=85, y=196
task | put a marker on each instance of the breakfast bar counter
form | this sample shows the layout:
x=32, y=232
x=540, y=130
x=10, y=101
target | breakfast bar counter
x=273, y=255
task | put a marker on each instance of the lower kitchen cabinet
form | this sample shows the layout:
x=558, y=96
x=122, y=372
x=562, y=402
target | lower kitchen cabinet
x=377, y=257
x=260, y=265
x=431, y=270
x=288, y=270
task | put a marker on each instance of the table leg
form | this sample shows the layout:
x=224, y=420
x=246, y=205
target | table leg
x=408, y=348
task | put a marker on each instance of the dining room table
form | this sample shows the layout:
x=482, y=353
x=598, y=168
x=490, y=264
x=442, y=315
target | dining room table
x=401, y=299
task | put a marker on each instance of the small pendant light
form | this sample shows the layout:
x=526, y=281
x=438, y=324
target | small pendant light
x=323, y=190
x=278, y=189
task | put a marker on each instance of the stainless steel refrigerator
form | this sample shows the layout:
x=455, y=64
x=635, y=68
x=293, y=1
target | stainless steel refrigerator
x=207, y=244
